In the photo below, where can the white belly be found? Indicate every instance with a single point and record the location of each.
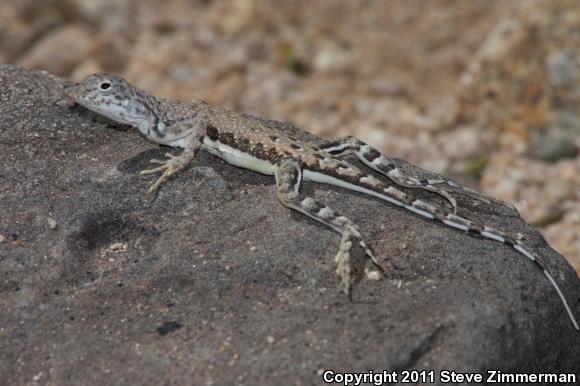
(237, 158)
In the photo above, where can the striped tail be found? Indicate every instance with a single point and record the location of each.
(364, 183)
(490, 233)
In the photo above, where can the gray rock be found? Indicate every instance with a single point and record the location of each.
(132, 289)
(552, 147)
(562, 70)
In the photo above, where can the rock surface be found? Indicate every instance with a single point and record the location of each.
(457, 90)
(212, 281)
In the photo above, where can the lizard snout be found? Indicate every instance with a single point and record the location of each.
(73, 90)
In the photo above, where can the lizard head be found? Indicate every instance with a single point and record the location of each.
(111, 96)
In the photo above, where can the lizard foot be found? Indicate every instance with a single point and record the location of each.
(443, 193)
(343, 261)
(168, 167)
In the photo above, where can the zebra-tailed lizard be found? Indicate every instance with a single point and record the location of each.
(263, 146)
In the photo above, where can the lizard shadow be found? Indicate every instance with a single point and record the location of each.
(235, 176)
(99, 233)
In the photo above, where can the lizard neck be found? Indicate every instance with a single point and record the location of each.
(147, 114)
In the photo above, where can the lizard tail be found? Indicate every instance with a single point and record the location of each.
(369, 185)
(454, 221)
(493, 234)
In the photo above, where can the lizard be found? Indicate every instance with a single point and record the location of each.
(263, 146)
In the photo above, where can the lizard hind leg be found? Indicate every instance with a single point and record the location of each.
(373, 159)
(288, 180)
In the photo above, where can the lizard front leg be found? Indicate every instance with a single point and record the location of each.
(173, 164)
(288, 180)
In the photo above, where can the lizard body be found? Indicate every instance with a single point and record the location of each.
(263, 146)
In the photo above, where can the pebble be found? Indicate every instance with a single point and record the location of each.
(546, 215)
(374, 274)
(52, 224)
(562, 70)
(332, 58)
(60, 51)
(553, 147)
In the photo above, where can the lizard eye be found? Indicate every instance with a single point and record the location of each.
(105, 85)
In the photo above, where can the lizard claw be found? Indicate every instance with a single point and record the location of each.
(168, 168)
(445, 194)
(414, 183)
(343, 260)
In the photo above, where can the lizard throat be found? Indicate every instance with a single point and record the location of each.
(120, 114)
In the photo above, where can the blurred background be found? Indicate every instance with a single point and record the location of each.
(484, 91)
